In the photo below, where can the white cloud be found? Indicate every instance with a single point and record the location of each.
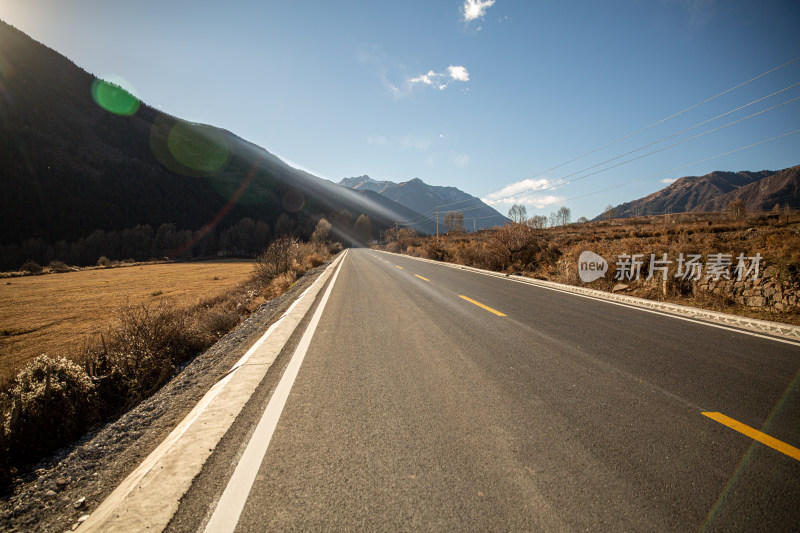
(441, 80)
(668, 181)
(520, 193)
(458, 73)
(475, 9)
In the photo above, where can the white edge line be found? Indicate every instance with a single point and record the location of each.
(231, 503)
(498, 275)
(161, 450)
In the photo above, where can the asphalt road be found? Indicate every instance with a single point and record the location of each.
(418, 409)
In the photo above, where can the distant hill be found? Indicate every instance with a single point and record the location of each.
(365, 183)
(80, 155)
(759, 191)
(423, 198)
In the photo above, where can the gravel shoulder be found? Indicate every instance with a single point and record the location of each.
(75, 480)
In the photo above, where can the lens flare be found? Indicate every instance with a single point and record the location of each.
(293, 201)
(198, 147)
(113, 98)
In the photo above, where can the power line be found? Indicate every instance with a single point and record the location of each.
(654, 151)
(555, 183)
(651, 176)
(649, 126)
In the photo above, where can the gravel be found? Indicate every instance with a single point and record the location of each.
(63, 489)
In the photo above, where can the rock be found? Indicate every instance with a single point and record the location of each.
(50, 494)
(779, 306)
(62, 482)
(39, 483)
(620, 287)
(756, 301)
(79, 503)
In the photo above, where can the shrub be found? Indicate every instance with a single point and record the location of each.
(58, 266)
(276, 260)
(31, 266)
(145, 347)
(52, 402)
(103, 261)
(219, 320)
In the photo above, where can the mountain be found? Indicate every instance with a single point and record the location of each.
(421, 223)
(423, 198)
(760, 191)
(782, 187)
(80, 155)
(365, 183)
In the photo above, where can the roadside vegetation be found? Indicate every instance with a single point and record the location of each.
(528, 247)
(57, 397)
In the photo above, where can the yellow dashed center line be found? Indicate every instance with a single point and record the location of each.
(498, 313)
(420, 277)
(755, 434)
(398, 266)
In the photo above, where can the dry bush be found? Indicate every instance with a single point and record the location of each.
(51, 402)
(276, 259)
(279, 285)
(144, 348)
(31, 266)
(58, 266)
(515, 247)
(219, 320)
(103, 261)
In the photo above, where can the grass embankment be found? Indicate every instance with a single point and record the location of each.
(153, 320)
(552, 254)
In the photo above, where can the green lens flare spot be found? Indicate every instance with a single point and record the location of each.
(198, 147)
(114, 98)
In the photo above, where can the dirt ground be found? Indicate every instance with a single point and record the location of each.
(57, 314)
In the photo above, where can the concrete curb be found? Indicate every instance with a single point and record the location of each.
(765, 327)
(149, 497)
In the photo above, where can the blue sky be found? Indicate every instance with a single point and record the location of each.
(481, 95)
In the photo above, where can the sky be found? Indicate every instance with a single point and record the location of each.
(539, 102)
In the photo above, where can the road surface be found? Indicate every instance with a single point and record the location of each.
(432, 398)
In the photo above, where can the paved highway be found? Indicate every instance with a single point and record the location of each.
(431, 398)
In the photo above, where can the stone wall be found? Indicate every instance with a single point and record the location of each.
(768, 291)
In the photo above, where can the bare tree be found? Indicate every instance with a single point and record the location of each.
(454, 221)
(564, 215)
(582, 220)
(518, 213)
(322, 231)
(609, 212)
(363, 229)
(737, 209)
(537, 221)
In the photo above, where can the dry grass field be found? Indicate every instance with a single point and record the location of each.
(56, 314)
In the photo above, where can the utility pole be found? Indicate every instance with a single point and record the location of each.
(474, 226)
(437, 223)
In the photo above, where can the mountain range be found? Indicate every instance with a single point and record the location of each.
(80, 155)
(759, 191)
(419, 196)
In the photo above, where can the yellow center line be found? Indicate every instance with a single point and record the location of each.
(420, 277)
(498, 313)
(763, 438)
(398, 266)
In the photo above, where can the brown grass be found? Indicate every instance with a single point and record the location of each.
(58, 313)
(552, 253)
